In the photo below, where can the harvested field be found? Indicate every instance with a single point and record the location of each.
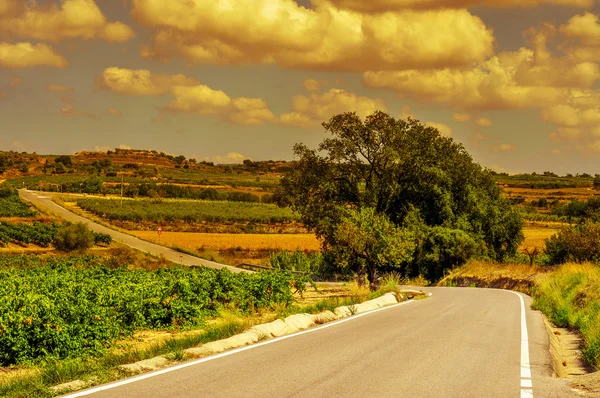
(536, 237)
(222, 242)
(562, 194)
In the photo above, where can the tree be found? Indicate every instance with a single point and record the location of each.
(579, 244)
(72, 237)
(65, 160)
(366, 241)
(395, 167)
(3, 163)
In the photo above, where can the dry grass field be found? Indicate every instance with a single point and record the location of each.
(238, 248)
(562, 194)
(536, 237)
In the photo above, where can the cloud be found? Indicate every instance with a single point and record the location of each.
(461, 117)
(58, 88)
(116, 32)
(203, 100)
(504, 148)
(312, 85)
(140, 81)
(322, 37)
(27, 55)
(484, 122)
(71, 19)
(296, 119)
(231, 157)
(396, 5)
(320, 107)
(523, 79)
(114, 112)
(444, 129)
(69, 110)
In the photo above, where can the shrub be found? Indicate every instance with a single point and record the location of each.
(443, 249)
(578, 244)
(102, 239)
(72, 237)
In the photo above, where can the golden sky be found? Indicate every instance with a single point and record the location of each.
(515, 81)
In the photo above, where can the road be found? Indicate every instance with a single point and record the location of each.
(460, 342)
(44, 201)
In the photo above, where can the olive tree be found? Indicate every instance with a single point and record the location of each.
(396, 167)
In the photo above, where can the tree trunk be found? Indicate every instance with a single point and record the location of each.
(373, 279)
(361, 276)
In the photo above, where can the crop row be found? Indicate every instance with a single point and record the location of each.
(67, 308)
(12, 206)
(21, 233)
(188, 211)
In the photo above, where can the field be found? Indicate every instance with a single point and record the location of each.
(535, 237)
(189, 211)
(69, 307)
(253, 248)
(193, 241)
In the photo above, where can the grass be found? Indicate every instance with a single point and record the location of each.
(570, 297)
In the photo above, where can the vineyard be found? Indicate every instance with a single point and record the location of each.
(21, 233)
(67, 307)
(12, 206)
(188, 211)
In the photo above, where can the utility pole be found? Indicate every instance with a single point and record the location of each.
(121, 189)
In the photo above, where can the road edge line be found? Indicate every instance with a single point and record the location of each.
(526, 379)
(226, 353)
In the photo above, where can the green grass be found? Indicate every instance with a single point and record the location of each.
(189, 211)
(570, 297)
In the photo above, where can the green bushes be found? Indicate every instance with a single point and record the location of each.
(442, 249)
(101, 239)
(578, 244)
(570, 297)
(189, 211)
(70, 307)
(72, 237)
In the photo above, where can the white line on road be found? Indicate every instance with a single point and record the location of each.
(526, 381)
(227, 353)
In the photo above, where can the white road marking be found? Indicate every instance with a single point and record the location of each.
(227, 353)
(526, 381)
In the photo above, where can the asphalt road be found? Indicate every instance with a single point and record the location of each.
(43, 201)
(461, 342)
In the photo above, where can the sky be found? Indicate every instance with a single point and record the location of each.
(517, 82)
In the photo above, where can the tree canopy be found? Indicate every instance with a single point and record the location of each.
(397, 167)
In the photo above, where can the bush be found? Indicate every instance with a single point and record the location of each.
(443, 249)
(102, 239)
(578, 244)
(72, 237)
(75, 306)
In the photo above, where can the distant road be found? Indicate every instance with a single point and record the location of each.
(460, 342)
(45, 202)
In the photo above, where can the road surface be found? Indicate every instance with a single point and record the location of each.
(45, 202)
(461, 342)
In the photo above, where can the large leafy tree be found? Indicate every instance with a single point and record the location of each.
(396, 167)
